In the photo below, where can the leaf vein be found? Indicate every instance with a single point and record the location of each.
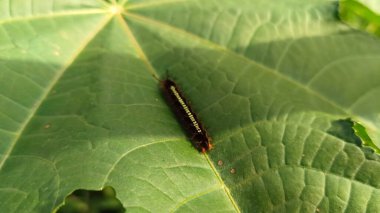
(50, 87)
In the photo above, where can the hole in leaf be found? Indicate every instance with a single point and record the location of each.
(92, 201)
(343, 129)
(352, 132)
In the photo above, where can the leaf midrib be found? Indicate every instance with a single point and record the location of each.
(151, 4)
(53, 15)
(211, 44)
(155, 75)
(218, 46)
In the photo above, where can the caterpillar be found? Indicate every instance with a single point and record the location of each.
(186, 116)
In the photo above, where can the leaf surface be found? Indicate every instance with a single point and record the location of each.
(80, 106)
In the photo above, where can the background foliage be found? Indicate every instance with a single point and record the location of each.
(362, 14)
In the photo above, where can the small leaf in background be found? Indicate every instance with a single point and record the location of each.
(361, 132)
(361, 14)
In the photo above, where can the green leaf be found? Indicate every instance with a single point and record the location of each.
(367, 141)
(361, 14)
(80, 106)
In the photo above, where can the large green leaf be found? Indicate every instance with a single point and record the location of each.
(80, 106)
